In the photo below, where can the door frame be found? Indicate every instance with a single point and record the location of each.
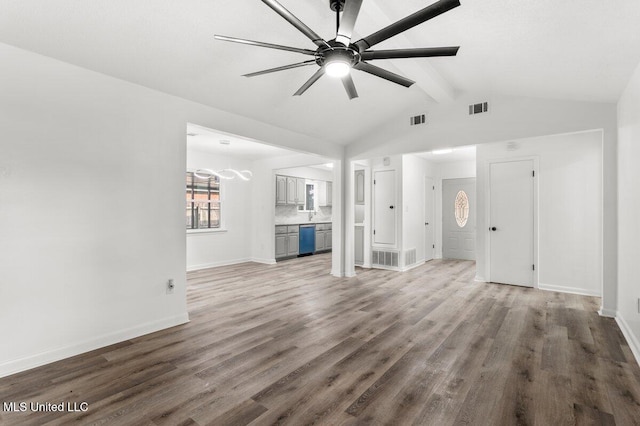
(536, 168)
(433, 215)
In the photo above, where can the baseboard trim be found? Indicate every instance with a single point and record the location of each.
(632, 340)
(410, 267)
(570, 290)
(607, 313)
(216, 264)
(47, 357)
(264, 261)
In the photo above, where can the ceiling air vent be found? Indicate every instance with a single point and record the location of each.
(418, 119)
(478, 108)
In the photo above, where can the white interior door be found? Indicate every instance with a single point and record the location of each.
(429, 217)
(511, 222)
(459, 218)
(384, 207)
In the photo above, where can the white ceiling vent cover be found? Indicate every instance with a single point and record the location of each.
(480, 108)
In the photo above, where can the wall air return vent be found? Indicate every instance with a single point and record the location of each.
(384, 258)
(480, 108)
(410, 257)
(418, 119)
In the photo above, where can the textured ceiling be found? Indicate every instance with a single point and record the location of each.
(582, 50)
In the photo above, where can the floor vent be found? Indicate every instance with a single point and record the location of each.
(410, 257)
(478, 108)
(418, 119)
(386, 258)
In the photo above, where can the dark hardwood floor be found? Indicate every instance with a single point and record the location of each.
(289, 344)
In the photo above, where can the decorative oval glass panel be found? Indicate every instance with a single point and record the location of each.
(461, 208)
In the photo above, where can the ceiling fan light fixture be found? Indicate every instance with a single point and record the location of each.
(338, 56)
(337, 68)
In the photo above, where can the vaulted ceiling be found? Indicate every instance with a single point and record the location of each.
(572, 50)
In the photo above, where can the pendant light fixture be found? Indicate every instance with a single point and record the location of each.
(226, 174)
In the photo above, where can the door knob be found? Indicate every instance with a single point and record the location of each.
(493, 228)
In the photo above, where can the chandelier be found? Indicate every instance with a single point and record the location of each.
(226, 174)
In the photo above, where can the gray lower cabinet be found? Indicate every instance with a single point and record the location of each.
(323, 236)
(281, 245)
(319, 240)
(293, 244)
(287, 242)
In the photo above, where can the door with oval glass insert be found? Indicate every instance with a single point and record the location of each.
(459, 218)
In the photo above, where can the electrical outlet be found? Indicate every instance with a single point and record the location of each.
(170, 286)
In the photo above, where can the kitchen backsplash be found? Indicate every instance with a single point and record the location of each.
(290, 215)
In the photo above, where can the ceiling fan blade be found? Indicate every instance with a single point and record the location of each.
(426, 52)
(315, 77)
(285, 67)
(282, 11)
(382, 73)
(349, 86)
(348, 21)
(404, 24)
(261, 44)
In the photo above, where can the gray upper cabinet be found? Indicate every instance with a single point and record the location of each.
(281, 190)
(359, 184)
(300, 191)
(325, 193)
(289, 190)
(292, 184)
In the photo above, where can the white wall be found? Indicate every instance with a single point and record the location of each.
(629, 206)
(232, 242)
(570, 208)
(414, 170)
(92, 206)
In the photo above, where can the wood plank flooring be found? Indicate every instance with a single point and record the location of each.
(289, 344)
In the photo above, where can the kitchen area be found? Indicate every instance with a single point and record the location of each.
(303, 211)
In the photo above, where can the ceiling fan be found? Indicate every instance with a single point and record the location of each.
(337, 57)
